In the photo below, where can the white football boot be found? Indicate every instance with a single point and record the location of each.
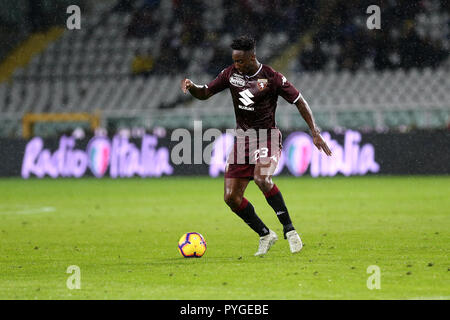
(266, 242)
(295, 243)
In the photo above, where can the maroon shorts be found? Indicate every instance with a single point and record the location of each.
(248, 151)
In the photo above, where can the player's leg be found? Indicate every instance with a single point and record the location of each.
(263, 173)
(263, 179)
(234, 198)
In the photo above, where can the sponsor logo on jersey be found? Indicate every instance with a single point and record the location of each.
(237, 80)
(246, 100)
(262, 84)
(246, 108)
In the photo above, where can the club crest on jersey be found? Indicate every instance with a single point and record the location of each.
(237, 80)
(262, 84)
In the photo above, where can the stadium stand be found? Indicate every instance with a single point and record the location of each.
(128, 59)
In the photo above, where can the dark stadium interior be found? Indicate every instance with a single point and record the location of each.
(393, 78)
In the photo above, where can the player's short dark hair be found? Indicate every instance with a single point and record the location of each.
(244, 43)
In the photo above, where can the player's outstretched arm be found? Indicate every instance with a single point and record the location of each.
(306, 113)
(199, 92)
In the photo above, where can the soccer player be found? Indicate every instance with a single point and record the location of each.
(255, 88)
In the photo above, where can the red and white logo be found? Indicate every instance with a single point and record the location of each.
(262, 84)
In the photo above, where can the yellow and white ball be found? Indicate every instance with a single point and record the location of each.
(192, 245)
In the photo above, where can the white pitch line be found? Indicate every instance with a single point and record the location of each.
(29, 210)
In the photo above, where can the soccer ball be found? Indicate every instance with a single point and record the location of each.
(192, 245)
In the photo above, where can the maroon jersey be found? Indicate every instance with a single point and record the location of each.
(254, 97)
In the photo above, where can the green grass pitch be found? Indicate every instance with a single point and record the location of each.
(123, 236)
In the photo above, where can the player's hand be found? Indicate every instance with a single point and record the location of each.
(186, 84)
(320, 143)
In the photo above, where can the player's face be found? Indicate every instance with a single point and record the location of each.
(243, 60)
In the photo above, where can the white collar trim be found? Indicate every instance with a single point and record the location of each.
(259, 69)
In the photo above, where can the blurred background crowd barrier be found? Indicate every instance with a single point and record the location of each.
(157, 155)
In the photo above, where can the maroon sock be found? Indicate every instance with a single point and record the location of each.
(246, 212)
